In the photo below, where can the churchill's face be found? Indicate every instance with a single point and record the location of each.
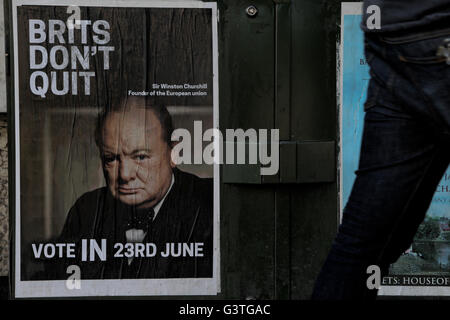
(136, 159)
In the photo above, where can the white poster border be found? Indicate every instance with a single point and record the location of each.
(123, 287)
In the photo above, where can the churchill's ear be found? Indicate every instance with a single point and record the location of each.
(174, 157)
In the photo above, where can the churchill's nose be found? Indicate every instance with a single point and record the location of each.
(127, 170)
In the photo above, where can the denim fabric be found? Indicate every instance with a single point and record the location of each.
(404, 153)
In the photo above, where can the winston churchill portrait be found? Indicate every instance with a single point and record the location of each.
(155, 220)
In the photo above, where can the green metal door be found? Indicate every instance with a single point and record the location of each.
(278, 70)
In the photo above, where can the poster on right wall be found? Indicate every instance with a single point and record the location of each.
(424, 269)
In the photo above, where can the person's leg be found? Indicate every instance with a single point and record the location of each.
(402, 160)
(387, 203)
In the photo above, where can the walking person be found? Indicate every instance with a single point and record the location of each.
(405, 147)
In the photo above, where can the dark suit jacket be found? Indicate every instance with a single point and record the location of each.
(186, 216)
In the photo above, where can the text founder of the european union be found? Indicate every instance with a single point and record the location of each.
(147, 200)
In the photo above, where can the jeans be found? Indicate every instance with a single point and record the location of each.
(405, 152)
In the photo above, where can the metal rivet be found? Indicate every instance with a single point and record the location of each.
(444, 50)
(251, 11)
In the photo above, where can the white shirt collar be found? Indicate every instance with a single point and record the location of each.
(137, 235)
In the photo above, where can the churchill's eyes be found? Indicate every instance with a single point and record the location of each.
(141, 157)
(109, 158)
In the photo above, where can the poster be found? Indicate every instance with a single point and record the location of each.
(102, 207)
(424, 269)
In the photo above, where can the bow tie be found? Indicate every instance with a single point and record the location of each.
(141, 219)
